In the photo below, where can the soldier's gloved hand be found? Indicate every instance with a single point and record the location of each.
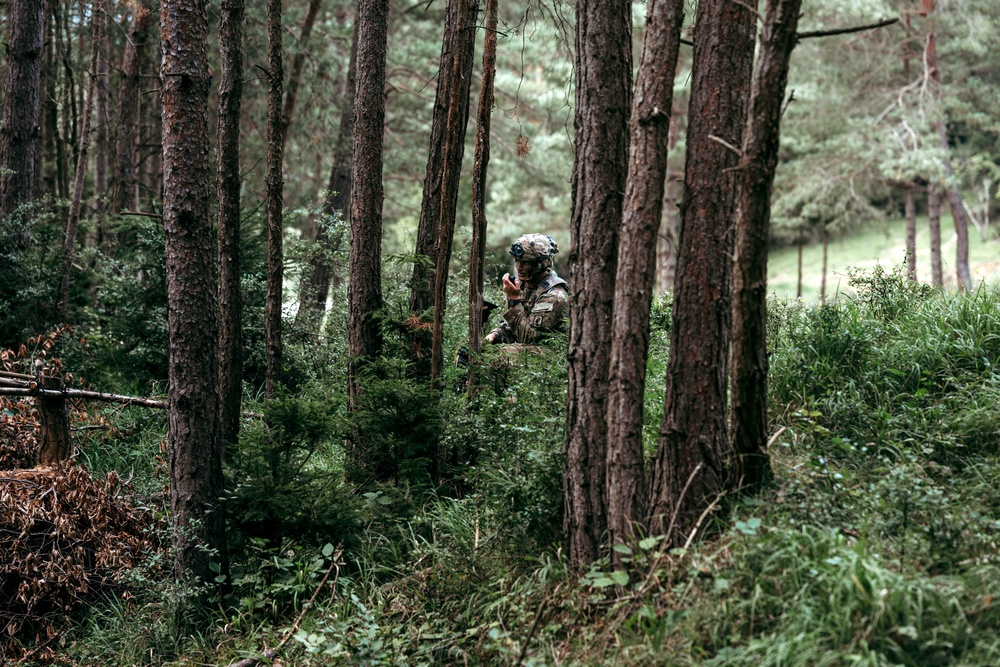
(510, 288)
(490, 337)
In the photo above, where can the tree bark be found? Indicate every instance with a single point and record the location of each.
(751, 469)
(275, 259)
(690, 469)
(18, 133)
(364, 294)
(666, 239)
(319, 273)
(910, 211)
(600, 165)
(454, 139)
(457, 45)
(195, 449)
(954, 198)
(52, 146)
(295, 78)
(479, 167)
(230, 98)
(934, 223)
(54, 441)
(101, 140)
(125, 193)
(69, 241)
(636, 270)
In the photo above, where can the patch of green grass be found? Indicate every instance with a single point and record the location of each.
(877, 244)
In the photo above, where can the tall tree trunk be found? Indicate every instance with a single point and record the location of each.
(53, 141)
(228, 221)
(934, 224)
(454, 140)
(954, 198)
(479, 167)
(636, 270)
(69, 241)
(195, 449)
(101, 141)
(364, 294)
(22, 76)
(600, 166)
(690, 469)
(798, 282)
(125, 194)
(456, 45)
(826, 251)
(295, 78)
(666, 239)
(275, 259)
(69, 104)
(910, 211)
(751, 467)
(316, 279)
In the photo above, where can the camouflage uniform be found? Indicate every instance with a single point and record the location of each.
(538, 313)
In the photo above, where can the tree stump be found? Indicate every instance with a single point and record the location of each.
(53, 422)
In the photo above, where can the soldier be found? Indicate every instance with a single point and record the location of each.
(536, 298)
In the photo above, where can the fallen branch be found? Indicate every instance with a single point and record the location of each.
(80, 393)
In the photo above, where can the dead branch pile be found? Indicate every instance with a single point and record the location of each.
(64, 538)
(18, 435)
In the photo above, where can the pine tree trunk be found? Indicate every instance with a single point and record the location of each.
(454, 148)
(364, 294)
(690, 469)
(101, 142)
(954, 198)
(798, 283)
(22, 76)
(69, 240)
(125, 194)
(479, 168)
(53, 151)
(228, 221)
(318, 275)
(934, 223)
(275, 260)
(761, 140)
(195, 449)
(458, 44)
(910, 211)
(822, 277)
(294, 79)
(636, 270)
(600, 166)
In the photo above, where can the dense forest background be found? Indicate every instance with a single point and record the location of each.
(245, 417)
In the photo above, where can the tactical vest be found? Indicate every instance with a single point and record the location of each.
(551, 281)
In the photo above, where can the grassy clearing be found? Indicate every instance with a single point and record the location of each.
(878, 244)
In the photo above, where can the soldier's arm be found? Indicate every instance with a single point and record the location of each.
(502, 334)
(546, 316)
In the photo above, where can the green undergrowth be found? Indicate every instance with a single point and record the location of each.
(876, 546)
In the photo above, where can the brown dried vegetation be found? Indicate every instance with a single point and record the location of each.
(65, 538)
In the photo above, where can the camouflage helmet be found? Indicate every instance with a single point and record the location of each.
(535, 248)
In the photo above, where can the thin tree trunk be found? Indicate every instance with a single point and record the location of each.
(125, 194)
(600, 167)
(454, 138)
(295, 78)
(751, 467)
(319, 273)
(275, 260)
(934, 224)
(479, 167)
(228, 221)
(798, 282)
(826, 249)
(364, 294)
(53, 151)
(454, 46)
(910, 209)
(101, 142)
(636, 270)
(69, 241)
(954, 198)
(18, 134)
(196, 481)
(690, 469)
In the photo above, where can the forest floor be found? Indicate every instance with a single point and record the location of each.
(882, 244)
